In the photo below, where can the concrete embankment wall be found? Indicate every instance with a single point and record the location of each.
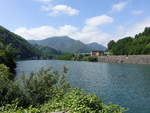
(130, 59)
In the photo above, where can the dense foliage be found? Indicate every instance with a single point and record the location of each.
(23, 48)
(34, 89)
(74, 101)
(46, 52)
(7, 58)
(64, 57)
(131, 46)
(82, 57)
(77, 101)
(47, 91)
(76, 57)
(9, 91)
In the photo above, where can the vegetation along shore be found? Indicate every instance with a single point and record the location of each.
(40, 92)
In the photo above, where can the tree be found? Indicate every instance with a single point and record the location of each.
(132, 46)
(111, 44)
(147, 49)
(7, 58)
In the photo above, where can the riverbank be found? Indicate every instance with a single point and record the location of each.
(130, 59)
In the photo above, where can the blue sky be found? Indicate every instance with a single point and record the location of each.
(86, 20)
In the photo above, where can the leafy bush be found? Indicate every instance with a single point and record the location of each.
(9, 91)
(4, 72)
(92, 59)
(75, 101)
(85, 58)
(34, 89)
(47, 91)
(7, 58)
(77, 57)
(13, 108)
(64, 57)
(41, 86)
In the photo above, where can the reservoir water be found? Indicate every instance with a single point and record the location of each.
(127, 85)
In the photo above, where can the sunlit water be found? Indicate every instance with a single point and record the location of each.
(125, 84)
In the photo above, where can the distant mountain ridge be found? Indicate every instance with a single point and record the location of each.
(44, 48)
(97, 46)
(66, 44)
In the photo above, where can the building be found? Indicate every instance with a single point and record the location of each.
(97, 53)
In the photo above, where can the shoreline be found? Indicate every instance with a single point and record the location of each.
(124, 59)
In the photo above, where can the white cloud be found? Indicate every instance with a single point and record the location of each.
(61, 9)
(74, 32)
(139, 27)
(93, 36)
(67, 30)
(89, 33)
(43, 32)
(94, 22)
(137, 12)
(118, 7)
(35, 33)
(136, 28)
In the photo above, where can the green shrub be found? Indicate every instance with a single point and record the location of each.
(80, 57)
(76, 101)
(4, 72)
(42, 86)
(7, 58)
(89, 58)
(64, 57)
(13, 108)
(47, 91)
(9, 90)
(34, 89)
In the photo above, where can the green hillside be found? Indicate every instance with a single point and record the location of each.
(140, 44)
(46, 52)
(64, 44)
(23, 49)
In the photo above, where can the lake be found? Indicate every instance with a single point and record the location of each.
(127, 85)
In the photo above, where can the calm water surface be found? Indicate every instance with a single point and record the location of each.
(125, 84)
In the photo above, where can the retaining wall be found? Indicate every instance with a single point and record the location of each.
(130, 59)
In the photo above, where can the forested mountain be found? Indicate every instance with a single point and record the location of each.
(7, 59)
(46, 52)
(96, 46)
(64, 44)
(140, 44)
(23, 49)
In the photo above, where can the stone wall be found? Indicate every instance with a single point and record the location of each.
(130, 59)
